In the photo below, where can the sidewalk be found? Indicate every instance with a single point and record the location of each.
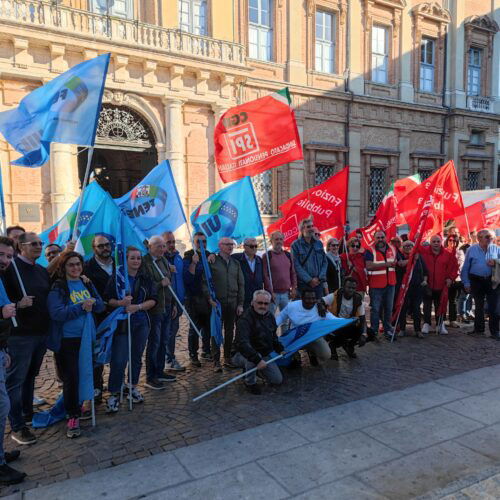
(439, 439)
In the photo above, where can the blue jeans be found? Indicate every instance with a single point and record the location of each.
(381, 301)
(157, 344)
(464, 303)
(119, 356)
(280, 302)
(172, 335)
(26, 354)
(4, 404)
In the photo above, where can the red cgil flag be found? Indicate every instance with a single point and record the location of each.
(447, 203)
(484, 214)
(257, 136)
(326, 203)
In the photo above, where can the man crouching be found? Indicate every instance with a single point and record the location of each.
(255, 340)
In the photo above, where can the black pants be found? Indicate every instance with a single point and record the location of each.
(481, 289)
(430, 299)
(199, 310)
(453, 293)
(347, 336)
(412, 303)
(228, 320)
(67, 359)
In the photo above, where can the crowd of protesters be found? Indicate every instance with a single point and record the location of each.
(259, 296)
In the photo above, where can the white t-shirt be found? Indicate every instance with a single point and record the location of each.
(298, 315)
(345, 306)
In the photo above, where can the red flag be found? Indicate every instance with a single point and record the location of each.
(484, 214)
(257, 136)
(401, 188)
(443, 302)
(447, 201)
(327, 203)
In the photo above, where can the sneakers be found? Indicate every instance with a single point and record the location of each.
(137, 397)
(10, 456)
(443, 330)
(195, 362)
(217, 367)
(73, 428)
(154, 384)
(349, 349)
(97, 396)
(8, 475)
(38, 401)
(453, 324)
(175, 366)
(113, 404)
(206, 356)
(419, 335)
(165, 377)
(253, 389)
(426, 328)
(229, 364)
(86, 412)
(23, 436)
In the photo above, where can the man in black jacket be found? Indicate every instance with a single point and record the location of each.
(8, 475)
(251, 265)
(255, 340)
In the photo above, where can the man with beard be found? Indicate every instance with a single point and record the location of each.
(8, 475)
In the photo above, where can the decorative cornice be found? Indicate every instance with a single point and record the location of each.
(432, 10)
(483, 23)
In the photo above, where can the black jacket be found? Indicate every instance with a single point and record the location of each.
(256, 335)
(97, 275)
(334, 275)
(253, 280)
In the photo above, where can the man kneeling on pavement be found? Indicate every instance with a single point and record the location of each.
(255, 340)
(347, 303)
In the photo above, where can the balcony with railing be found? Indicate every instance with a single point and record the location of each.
(481, 104)
(48, 15)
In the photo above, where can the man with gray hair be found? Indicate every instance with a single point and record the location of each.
(255, 340)
(251, 266)
(476, 275)
(309, 259)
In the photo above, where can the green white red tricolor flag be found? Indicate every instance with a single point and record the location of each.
(256, 136)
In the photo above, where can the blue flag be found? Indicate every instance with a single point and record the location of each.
(107, 221)
(231, 212)
(43, 419)
(64, 110)
(104, 335)
(4, 299)
(154, 205)
(216, 313)
(62, 230)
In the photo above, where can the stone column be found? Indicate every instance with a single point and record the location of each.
(64, 181)
(356, 43)
(495, 69)
(355, 185)
(297, 169)
(296, 68)
(405, 60)
(404, 158)
(457, 55)
(174, 150)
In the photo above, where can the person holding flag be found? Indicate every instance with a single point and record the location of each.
(141, 298)
(353, 264)
(70, 300)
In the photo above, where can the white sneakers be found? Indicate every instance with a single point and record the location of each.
(426, 328)
(443, 330)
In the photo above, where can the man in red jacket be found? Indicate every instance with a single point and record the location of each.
(443, 269)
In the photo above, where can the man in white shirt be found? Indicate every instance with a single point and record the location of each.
(305, 311)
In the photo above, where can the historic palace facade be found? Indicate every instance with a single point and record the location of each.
(388, 87)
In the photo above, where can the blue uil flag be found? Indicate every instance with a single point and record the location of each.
(231, 212)
(154, 205)
(64, 110)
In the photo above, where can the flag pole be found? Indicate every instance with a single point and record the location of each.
(178, 301)
(234, 379)
(19, 279)
(3, 220)
(129, 363)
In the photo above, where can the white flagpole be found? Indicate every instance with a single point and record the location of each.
(19, 279)
(129, 363)
(211, 391)
(3, 219)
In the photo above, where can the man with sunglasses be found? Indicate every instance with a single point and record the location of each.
(251, 266)
(196, 301)
(476, 275)
(255, 340)
(27, 342)
(99, 269)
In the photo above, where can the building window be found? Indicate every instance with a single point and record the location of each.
(425, 173)
(377, 187)
(322, 173)
(474, 72)
(476, 138)
(263, 186)
(193, 16)
(380, 54)
(260, 30)
(427, 65)
(117, 8)
(473, 178)
(325, 42)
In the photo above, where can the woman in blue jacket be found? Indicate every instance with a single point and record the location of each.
(70, 300)
(141, 297)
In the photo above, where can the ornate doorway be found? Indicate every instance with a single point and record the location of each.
(125, 150)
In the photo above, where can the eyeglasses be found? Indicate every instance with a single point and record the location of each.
(333, 245)
(103, 245)
(251, 246)
(228, 244)
(33, 243)
(74, 264)
(355, 246)
(262, 303)
(317, 234)
(408, 246)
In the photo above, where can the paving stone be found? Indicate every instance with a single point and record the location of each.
(484, 408)
(423, 429)
(485, 441)
(307, 467)
(422, 471)
(243, 483)
(474, 381)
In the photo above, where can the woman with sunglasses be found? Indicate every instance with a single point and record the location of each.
(69, 302)
(141, 297)
(451, 244)
(353, 264)
(334, 272)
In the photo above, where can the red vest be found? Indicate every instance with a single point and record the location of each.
(380, 278)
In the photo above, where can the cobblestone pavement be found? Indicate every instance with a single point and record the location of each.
(169, 420)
